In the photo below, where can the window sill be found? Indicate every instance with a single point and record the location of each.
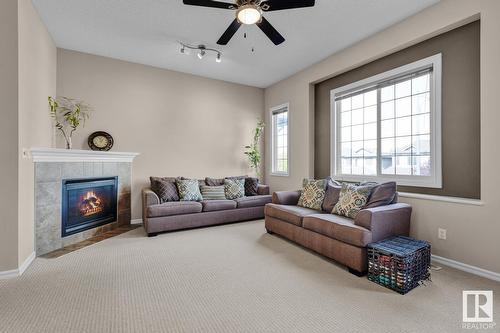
(462, 201)
(430, 182)
(274, 174)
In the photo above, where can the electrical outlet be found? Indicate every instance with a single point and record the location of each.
(441, 233)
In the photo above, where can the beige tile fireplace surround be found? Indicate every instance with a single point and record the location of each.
(52, 167)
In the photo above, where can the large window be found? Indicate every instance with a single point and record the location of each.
(387, 127)
(279, 150)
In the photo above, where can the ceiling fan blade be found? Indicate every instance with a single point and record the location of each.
(272, 5)
(210, 3)
(270, 32)
(229, 33)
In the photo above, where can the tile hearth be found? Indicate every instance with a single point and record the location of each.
(93, 240)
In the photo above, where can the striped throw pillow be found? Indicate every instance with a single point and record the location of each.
(212, 192)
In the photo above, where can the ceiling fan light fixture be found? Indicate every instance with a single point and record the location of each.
(249, 14)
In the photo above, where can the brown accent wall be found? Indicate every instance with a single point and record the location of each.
(460, 49)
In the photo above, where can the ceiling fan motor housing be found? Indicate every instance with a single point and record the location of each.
(249, 13)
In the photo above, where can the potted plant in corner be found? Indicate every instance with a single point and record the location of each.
(253, 151)
(68, 115)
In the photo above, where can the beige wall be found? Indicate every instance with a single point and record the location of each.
(472, 231)
(37, 81)
(182, 125)
(27, 77)
(8, 135)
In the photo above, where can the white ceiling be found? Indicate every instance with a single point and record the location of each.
(147, 31)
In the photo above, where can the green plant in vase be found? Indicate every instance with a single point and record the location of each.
(68, 114)
(253, 151)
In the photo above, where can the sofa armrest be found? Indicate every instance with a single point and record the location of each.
(290, 198)
(149, 198)
(385, 221)
(263, 189)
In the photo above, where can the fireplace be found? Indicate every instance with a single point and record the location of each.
(88, 203)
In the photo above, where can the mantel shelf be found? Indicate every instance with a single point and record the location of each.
(75, 155)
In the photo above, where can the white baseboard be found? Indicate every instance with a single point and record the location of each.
(136, 221)
(19, 271)
(467, 268)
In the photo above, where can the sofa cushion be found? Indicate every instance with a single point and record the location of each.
(215, 205)
(212, 192)
(332, 194)
(234, 188)
(313, 193)
(352, 199)
(174, 208)
(339, 228)
(251, 186)
(381, 195)
(255, 201)
(214, 181)
(165, 188)
(220, 181)
(189, 189)
(290, 214)
(201, 182)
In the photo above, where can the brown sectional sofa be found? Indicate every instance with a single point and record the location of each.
(159, 217)
(336, 237)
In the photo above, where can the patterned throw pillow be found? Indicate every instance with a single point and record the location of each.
(234, 188)
(189, 189)
(251, 186)
(313, 193)
(352, 199)
(164, 188)
(213, 192)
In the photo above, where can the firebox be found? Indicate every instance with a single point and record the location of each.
(88, 203)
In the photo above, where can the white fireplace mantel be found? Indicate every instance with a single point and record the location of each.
(75, 155)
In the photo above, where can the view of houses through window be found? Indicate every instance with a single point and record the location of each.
(404, 129)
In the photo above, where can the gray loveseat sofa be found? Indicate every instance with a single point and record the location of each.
(168, 216)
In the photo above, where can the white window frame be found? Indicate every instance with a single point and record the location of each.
(273, 171)
(432, 181)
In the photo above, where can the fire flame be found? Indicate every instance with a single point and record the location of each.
(91, 204)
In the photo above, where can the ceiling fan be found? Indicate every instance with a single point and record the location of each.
(250, 12)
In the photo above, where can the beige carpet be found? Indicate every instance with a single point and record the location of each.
(232, 278)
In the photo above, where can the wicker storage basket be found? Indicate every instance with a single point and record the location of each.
(399, 263)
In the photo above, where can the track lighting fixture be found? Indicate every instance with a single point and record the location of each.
(202, 51)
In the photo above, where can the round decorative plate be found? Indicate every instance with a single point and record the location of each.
(100, 141)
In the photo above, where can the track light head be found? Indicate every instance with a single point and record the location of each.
(218, 59)
(201, 54)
